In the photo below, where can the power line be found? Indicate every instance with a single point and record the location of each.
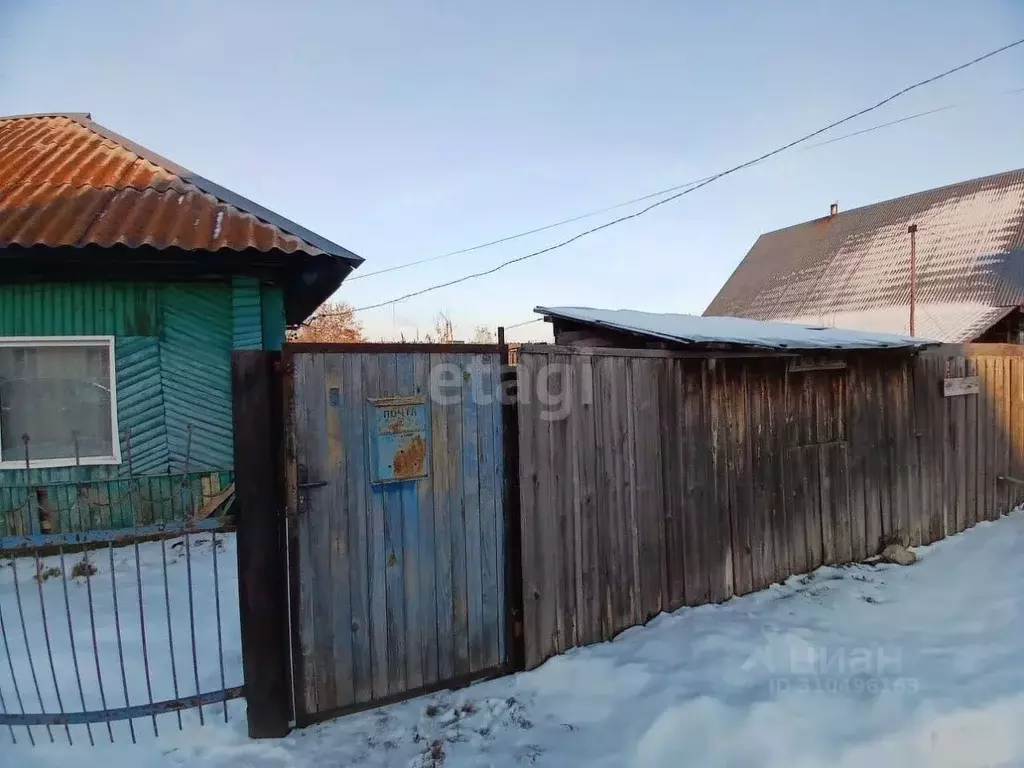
(518, 235)
(696, 186)
(524, 322)
(660, 192)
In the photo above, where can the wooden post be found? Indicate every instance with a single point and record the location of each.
(514, 618)
(262, 563)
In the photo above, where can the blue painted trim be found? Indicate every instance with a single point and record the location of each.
(118, 536)
(123, 713)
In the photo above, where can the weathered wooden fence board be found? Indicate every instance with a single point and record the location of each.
(401, 583)
(681, 481)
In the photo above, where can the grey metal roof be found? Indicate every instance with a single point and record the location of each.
(693, 329)
(853, 268)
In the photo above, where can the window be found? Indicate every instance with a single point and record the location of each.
(58, 391)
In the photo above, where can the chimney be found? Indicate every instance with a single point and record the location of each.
(833, 209)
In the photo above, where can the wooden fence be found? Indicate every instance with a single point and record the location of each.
(666, 479)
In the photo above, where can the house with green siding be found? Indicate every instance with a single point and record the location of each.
(125, 283)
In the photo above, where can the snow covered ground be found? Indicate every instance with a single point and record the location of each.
(31, 645)
(854, 666)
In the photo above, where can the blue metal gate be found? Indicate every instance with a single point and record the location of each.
(398, 522)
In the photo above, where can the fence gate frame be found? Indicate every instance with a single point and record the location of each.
(295, 503)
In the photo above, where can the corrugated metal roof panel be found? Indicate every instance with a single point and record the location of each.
(66, 181)
(970, 249)
(693, 329)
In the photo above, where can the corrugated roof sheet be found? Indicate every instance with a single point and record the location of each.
(970, 257)
(67, 181)
(693, 329)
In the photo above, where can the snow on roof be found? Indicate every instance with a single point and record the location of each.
(693, 329)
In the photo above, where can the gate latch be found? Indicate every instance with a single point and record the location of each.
(316, 484)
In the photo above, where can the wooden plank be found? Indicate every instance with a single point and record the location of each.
(332, 502)
(974, 454)
(649, 493)
(588, 525)
(357, 494)
(949, 475)
(394, 551)
(985, 406)
(859, 447)
(262, 559)
(457, 524)
(620, 547)
(919, 471)
(741, 476)
(778, 489)
(961, 453)
(839, 465)
(631, 520)
(409, 523)
(1016, 428)
(689, 564)
(760, 538)
(529, 488)
(1006, 435)
(1001, 442)
(902, 432)
(546, 546)
(792, 469)
(377, 549)
(722, 549)
(561, 557)
(928, 442)
(608, 554)
(471, 510)
(888, 456)
(674, 472)
(308, 659)
(490, 457)
(313, 429)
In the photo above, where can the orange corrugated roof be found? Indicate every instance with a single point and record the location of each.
(67, 181)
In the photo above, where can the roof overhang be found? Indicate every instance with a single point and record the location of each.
(698, 331)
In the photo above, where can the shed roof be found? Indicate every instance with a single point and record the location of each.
(68, 182)
(853, 268)
(693, 329)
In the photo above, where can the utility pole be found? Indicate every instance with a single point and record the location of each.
(912, 229)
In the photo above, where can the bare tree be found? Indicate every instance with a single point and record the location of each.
(482, 335)
(444, 330)
(334, 322)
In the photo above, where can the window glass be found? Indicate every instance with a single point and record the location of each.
(59, 396)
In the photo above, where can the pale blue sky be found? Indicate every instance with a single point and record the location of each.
(406, 129)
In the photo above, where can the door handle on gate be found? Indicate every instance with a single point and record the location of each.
(315, 484)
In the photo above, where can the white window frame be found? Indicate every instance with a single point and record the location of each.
(72, 341)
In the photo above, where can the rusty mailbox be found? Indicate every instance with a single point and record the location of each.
(399, 439)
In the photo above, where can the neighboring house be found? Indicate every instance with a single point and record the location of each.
(851, 269)
(125, 283)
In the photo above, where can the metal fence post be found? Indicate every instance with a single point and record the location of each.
(262, 559)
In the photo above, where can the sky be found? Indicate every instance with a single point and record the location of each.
(403, 130)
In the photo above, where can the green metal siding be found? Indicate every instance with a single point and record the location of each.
(247, 321)
(272, 301)
(173, 347)
(195, 367)
(140, 404)
(80, 309)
